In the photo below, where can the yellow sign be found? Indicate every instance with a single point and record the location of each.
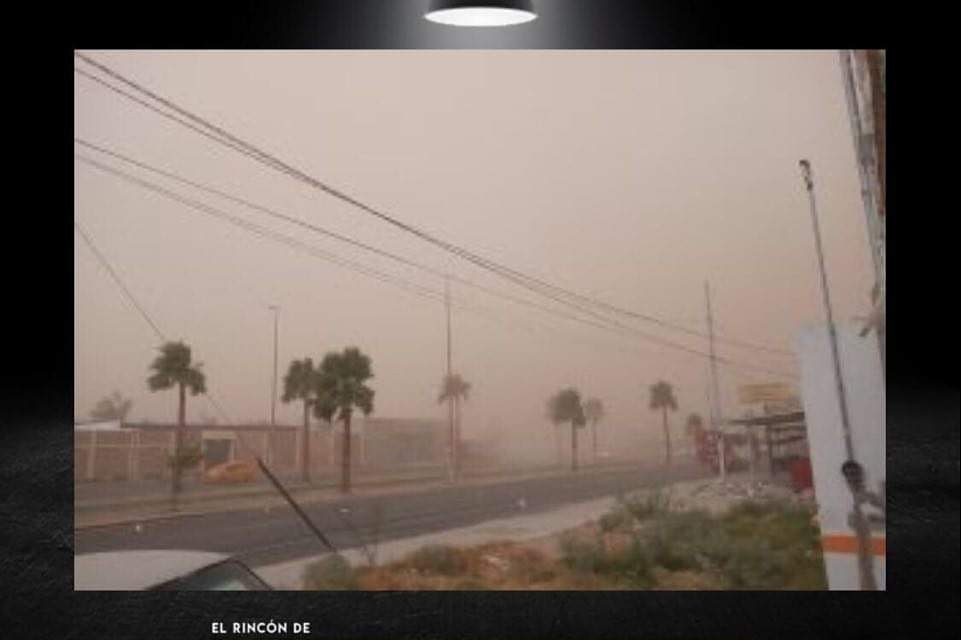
(770, 392)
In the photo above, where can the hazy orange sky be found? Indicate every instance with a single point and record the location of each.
(630, 176)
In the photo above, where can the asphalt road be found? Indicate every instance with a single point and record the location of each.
(260, 537)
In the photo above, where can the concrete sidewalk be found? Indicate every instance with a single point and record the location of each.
(134, 511)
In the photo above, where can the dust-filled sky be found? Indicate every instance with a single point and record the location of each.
(628, 176)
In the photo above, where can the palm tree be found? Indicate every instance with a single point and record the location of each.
(299, 384)
(454, 389)
(594, 412)
(112, 407)
(566, 407)
(174, 368)
(662, 397)
(340, 389)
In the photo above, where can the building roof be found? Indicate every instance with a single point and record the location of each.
(778, 419)
(169, 426)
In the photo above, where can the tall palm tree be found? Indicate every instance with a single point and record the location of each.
(300, 384)
(454, 389)
(175, 368)
(112, 407)
(594, 412)
(340, 389)
(564, 407)
(662, 397)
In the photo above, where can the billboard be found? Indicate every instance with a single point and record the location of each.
(774, 392)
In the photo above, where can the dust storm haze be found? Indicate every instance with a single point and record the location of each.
(630, 177)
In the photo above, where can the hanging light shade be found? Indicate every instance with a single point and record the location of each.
(480, 13)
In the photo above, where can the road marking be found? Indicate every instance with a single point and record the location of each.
(848, 543)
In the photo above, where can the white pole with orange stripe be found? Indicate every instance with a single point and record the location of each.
(864, 387)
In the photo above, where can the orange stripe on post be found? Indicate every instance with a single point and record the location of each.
(847, 543)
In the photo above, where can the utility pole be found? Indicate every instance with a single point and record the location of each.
(451, 453)
(273, 388)
(867, 129)
(716, 418)
(865, 561)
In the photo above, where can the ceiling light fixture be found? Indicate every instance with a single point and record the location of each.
(480, 13)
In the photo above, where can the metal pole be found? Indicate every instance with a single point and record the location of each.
(716, 418)
(867, 158)
(273, 390)
(864, 558)
(450, 400)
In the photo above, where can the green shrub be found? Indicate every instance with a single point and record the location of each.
(438, 559)
(654, 504)
(332, 573)
(617, 519)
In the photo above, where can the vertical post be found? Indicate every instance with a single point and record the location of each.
(451, 444)
(864, 555)
(870, 168)
(273, 392)
(92, 457)
(716, 418)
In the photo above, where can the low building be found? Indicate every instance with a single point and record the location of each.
(134, 451)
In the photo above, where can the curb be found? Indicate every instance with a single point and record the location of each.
(139, 520)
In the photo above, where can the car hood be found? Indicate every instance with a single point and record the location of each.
(136, 570)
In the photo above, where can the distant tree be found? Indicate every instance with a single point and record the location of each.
(174, 368)
(300, 384)
(454, 389)
(112, 407)
(662, 398)
(594, 412)
(565, 407)
(340, 390)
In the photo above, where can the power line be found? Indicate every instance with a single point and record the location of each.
(377, 274)
(116, 278)
(221, 136)
(326, 232)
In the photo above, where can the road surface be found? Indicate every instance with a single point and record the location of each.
(266, 537)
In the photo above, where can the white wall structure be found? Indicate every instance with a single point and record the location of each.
(864, 387)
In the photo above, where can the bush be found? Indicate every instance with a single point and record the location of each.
(657, 503)
(617, 519)
(332, 573)
(438, 559)
(630, 566)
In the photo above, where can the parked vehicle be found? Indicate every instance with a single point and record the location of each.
(233, 472)
(163, 570)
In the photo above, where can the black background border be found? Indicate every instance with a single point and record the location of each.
(36, 465)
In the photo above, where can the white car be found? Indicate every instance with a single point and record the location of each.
(163, 570)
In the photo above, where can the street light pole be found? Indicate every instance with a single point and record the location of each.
(865, 561)
(273, 388)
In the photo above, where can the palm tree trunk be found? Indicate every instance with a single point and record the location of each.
(457, 447)
(306, 443)
(594, 440)
(573, 447)
(667, 437)
(345, 462)
(450, 438)
(557, 445)
(176, 484)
